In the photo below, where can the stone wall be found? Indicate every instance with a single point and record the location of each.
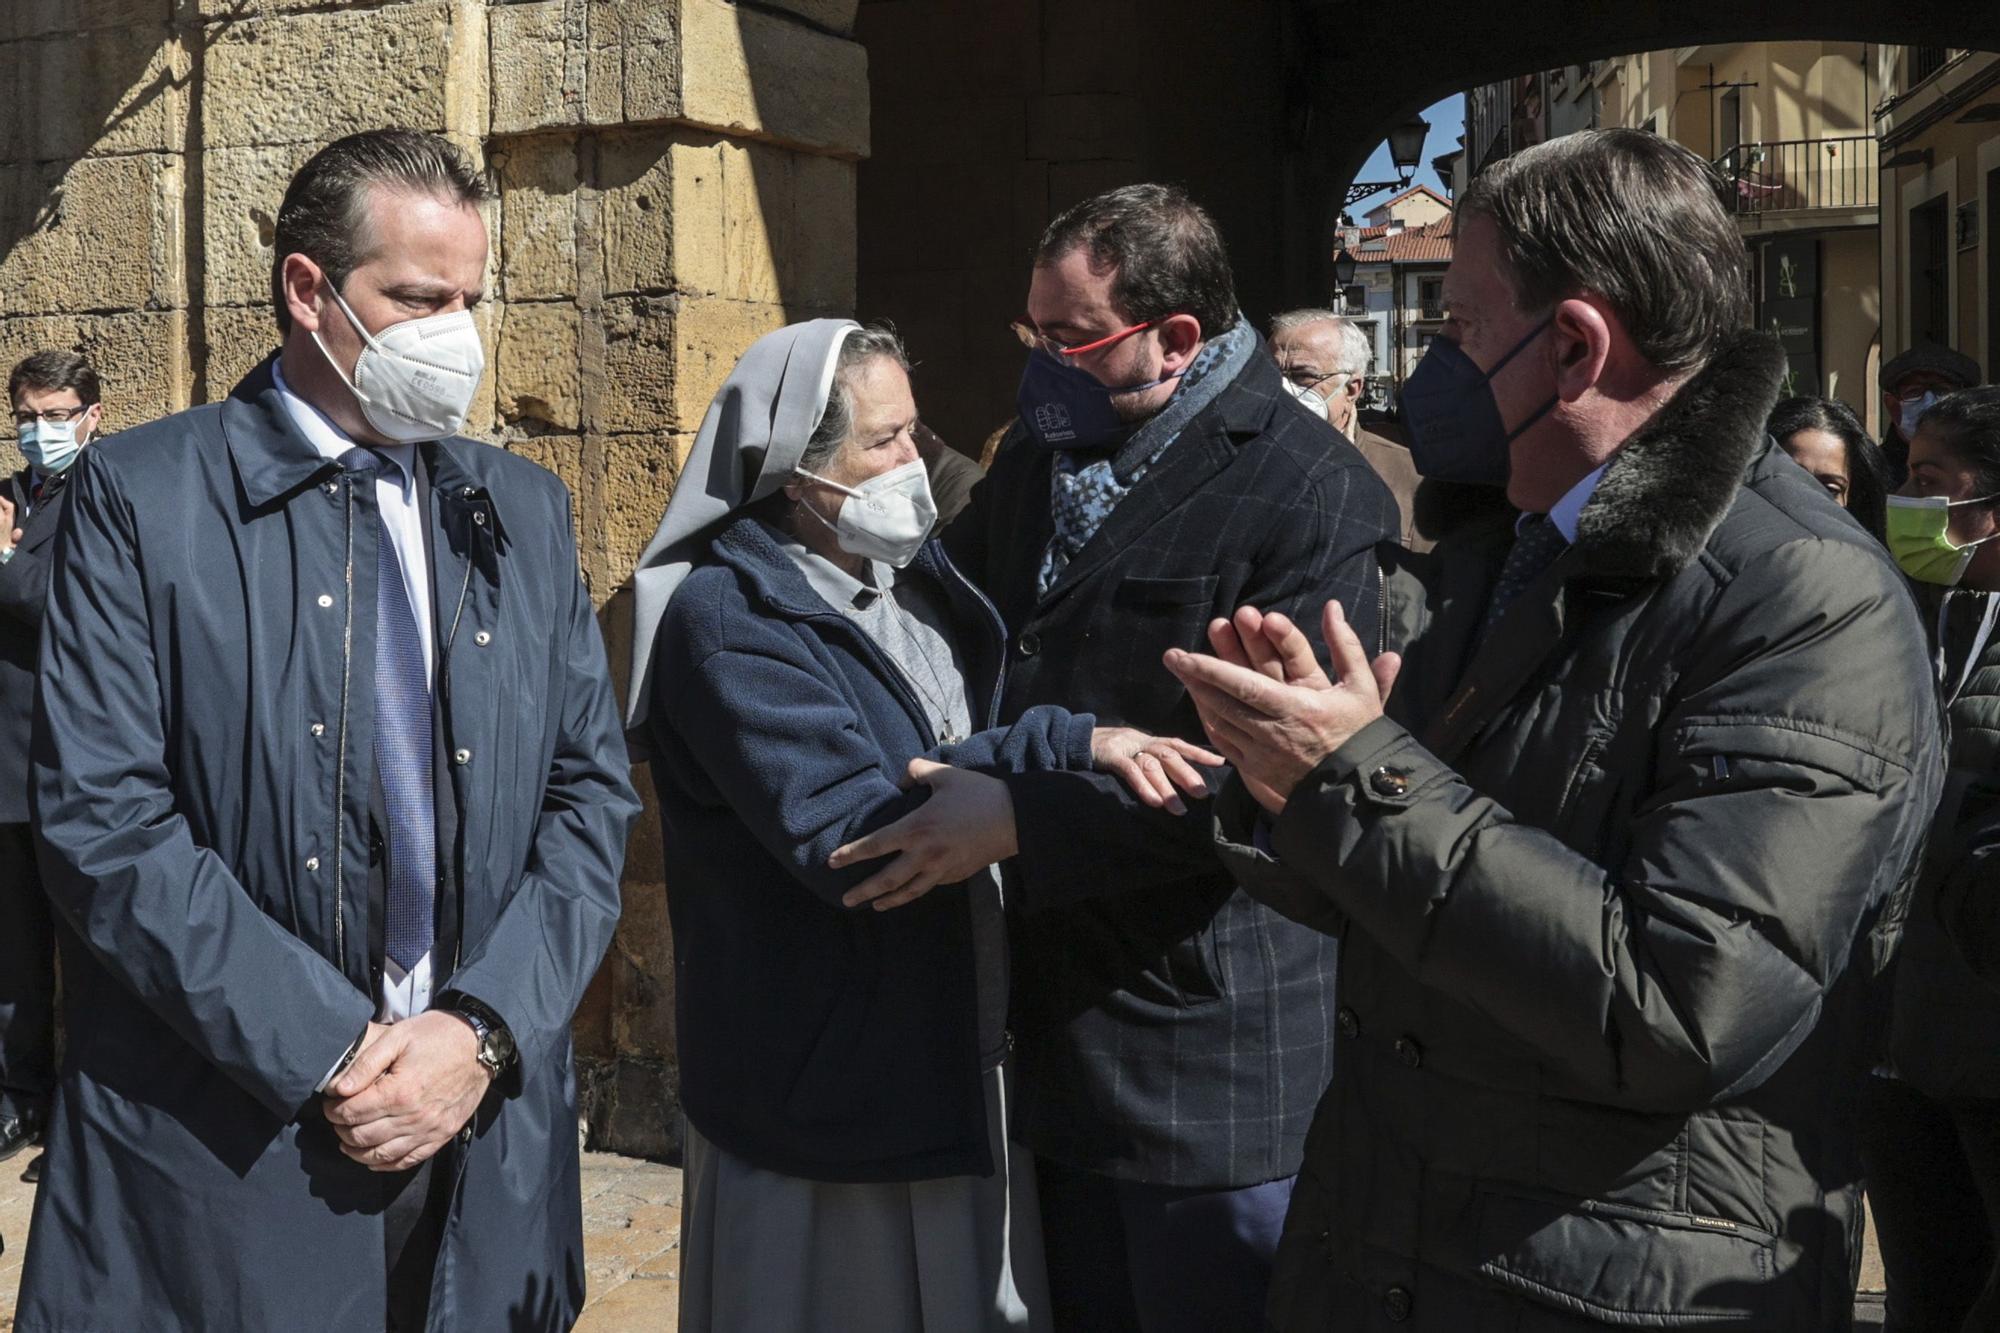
(992, 116)
(675, 177)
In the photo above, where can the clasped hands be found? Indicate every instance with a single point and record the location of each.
(413, 1085)
(1266, 703)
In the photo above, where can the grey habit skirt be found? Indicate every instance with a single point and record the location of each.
(766, 1253)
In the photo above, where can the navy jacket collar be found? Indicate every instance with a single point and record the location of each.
(747, 547)
(275, 461)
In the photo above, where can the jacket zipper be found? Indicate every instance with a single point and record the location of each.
(340, 767)
(993, 618)
(444, 697)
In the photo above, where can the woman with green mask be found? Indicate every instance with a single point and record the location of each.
(1931, 1116)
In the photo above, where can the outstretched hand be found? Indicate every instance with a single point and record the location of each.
(966, 825)
(1152, 766)
(1268, 705)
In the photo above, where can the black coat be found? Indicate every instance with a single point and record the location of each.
(1170, 1028)
(1617, 888)
(24, 582)
(1942, 1037)
(203, 764)
(817, 1040)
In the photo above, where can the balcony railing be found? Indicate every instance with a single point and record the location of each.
(1801, 173)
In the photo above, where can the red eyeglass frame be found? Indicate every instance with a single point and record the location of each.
(1099, 345)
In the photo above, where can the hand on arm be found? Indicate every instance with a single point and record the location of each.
(411, 1088)
(1267, 704)
(966, 825)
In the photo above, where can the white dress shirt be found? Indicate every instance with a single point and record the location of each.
(1565, 512)
(403, 993)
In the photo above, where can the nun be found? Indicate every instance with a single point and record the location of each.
(808, 667)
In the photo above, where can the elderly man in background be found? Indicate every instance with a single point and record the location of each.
(57, 409)
(1911, 382)
(1618, 865)
(1324, 360)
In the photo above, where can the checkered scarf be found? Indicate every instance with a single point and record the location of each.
(1085, 487)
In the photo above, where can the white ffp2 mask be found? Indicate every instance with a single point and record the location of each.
(885, 518)
(415, 380)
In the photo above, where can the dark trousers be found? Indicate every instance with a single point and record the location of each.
(1130, 1258)
(1933, 1176)
(412, 1227)
(27, 979)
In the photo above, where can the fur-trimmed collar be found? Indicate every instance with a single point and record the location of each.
(1668, 487)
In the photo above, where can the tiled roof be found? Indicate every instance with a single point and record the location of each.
(1428, 244)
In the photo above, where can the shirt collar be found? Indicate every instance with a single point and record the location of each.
(1565, 512)
(838, 588)
(330, 440)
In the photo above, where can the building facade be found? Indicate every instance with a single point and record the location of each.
(1940, 235)
(1788, 126)
(1397, 296)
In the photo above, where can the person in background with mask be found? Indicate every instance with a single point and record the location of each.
(1826, 438)
(1172, 1035)
(57, 412)
(332, 797)
(1619, 861)
(1324, 361)
(1910, 383)
(1931, 1126)
(806, 660)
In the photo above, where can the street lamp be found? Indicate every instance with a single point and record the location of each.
(1406, 150)
(1343, 273)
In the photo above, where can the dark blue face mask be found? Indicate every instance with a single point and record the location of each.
(1451, 419)
(1067, 408)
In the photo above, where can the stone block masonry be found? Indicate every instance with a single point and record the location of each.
(674, 178)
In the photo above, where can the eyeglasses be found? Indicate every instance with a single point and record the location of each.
(1305, 379)
(54, 415)
(1034, 340)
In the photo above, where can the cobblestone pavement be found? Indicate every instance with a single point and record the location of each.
(631, 1242)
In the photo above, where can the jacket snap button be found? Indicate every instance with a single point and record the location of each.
(1397, 1304)
(1326, 1245)
(482, 638)
(1031, 643)
(1389, 782)
(1348, 1021)
(319, 728)
(326, 599)
(462, 756)
(312, 863)
(1409, 1052)
(479, 517)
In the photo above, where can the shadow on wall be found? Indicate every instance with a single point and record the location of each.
(659, 211)
(94, 168)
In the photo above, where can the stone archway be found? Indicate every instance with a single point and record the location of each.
(989, 116)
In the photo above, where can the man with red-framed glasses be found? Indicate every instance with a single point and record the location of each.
(1172, 1035)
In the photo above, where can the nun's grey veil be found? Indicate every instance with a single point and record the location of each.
(750, 441)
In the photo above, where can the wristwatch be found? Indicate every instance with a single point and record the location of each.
(496, 1044)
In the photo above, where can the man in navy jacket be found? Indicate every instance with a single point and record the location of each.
(333, 797)
(57, 404)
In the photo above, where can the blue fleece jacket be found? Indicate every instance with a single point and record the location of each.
(816, 1040)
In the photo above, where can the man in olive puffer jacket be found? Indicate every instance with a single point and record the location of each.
(1617, 871)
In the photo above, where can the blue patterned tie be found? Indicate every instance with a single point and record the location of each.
(1536, 547)
(403, 754)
